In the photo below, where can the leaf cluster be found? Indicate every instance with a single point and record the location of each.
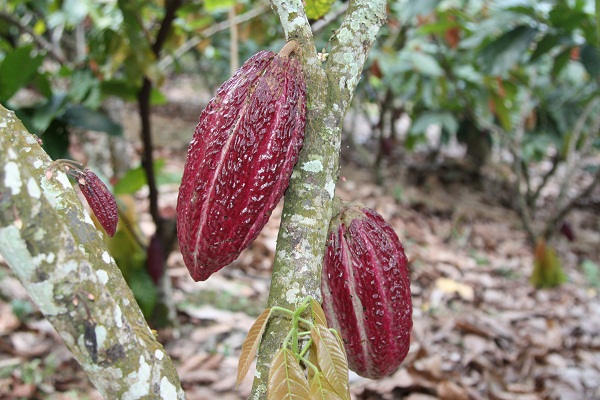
(311, 364)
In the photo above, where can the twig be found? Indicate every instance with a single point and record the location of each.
(144, 112)
(558, 216)
(532, 198)
(321, 24)
(208, 32)
(571, 160)
(54, 52)
(515, 147)
(566, 208)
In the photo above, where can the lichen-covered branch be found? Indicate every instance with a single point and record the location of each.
(51, 244)
(308, 200)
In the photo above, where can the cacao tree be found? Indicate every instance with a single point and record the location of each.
(96, 314)
(521, 78)
(74, 66)
(58, 254)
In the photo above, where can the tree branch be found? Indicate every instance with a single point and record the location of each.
(308, 201)
(51, 244)
(211, 31)
(42, 43)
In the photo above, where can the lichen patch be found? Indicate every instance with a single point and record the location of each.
(167, 389)
(12, 177)
(102, 276)
(33, 189)
(139, 382)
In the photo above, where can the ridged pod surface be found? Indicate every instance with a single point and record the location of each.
(100, 199)
(366, 291)
(239, 161)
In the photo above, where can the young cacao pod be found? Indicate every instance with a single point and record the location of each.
(240, 160)
(366, 291)
(101, 200)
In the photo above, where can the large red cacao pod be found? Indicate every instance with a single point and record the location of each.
(366, 291)
(239, 161)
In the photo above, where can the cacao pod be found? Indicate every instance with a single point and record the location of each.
(100, 199)
(240, 160)
(366, 291)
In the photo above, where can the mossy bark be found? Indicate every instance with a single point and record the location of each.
(308, 200)
(52, 245)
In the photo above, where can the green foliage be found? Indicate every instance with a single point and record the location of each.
(17, 69)
(134, 179)
(446, 62)
(315, 9)
(327, 375)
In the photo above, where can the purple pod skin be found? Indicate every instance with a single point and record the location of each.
(240, 161)
(366, 291)
(100, 199)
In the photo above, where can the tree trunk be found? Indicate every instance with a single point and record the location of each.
(51, 244)
(308, 200)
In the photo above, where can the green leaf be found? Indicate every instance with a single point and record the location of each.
(505, 52)
(437, 27)
(547, 43)
(218, 5)
(42, 115)
(315, 9)
(598, 21)
(143, 62)
(445, 119)
(502, 112)
(17, 70)
(425, 64)
(82, 82)
(157, 97)
(42, 83)
(123, 89)
(250, 345)
(135, 178)
(144, 290)
(56, 140)
(561, 61)
(590, 58)
(332, 359)
(286, 378)
(86, 118)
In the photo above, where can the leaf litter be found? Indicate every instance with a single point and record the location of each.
(481, 331)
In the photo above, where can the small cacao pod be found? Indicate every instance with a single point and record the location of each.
(240, 160)
(366, 291)
(101, 200)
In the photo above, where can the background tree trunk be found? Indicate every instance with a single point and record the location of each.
(52, 245)
(308, 200)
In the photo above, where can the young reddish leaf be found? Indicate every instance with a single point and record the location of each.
(321, 389)
(318, 315)
(250, 346)
(286, 378)
(332, 360)
(100, 199)
(312, 358)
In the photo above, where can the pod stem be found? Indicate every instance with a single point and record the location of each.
(290, 47)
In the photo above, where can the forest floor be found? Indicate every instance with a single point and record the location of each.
(481, 330)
